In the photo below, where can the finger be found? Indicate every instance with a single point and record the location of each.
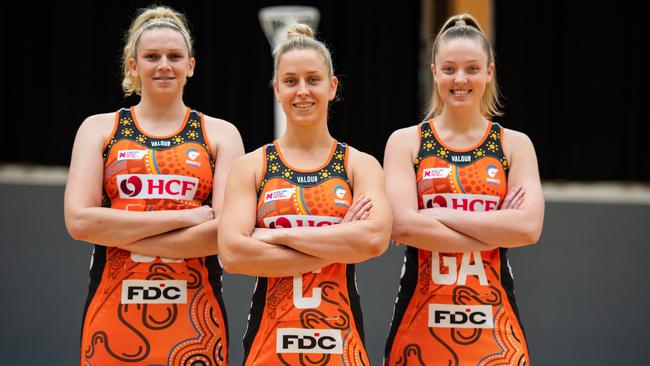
(364, 210)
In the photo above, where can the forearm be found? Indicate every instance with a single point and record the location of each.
(112, 227)
(501, 228)
(349, 242)
(420, 231)
(193, 242)
(256, 258)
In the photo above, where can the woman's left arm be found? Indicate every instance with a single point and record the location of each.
(347, 242)
(510, 227)
(200, 240)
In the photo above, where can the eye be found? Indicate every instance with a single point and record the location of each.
(290, 81)
(448, 70)
(473, 69)
(313, 79)
(175, 56)
(151, 56)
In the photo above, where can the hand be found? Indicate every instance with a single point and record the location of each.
(514, 198)
(359, 210)
(199, 215)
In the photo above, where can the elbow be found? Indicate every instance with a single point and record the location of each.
(377, 241)
(400, 230)
(229, 259)
(77, 227)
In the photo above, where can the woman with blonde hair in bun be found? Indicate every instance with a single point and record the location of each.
(300, 212)
(146, 185)
(456, 183)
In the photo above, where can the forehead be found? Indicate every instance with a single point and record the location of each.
(302, 60)
(161, 38)
(460, 49)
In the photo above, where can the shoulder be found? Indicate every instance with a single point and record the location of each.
(359, 160)
(406, 134)
(98, 125)
(515, 138)
(219, 128)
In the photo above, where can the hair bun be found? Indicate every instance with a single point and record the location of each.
(300, 30)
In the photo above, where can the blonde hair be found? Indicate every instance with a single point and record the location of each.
(150, 18)
(301, 36)
(466, 26)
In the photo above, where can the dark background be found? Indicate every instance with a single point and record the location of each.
(573, 78)
(572, 75)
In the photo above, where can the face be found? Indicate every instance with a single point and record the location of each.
(461, 72)
(162, 63)
(303, 86)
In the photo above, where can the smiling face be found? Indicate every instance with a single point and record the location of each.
(461, 73)
(303, 86)
(162, 63)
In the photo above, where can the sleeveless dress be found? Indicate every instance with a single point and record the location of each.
(457, 308)
(144, 310)
(314, 318)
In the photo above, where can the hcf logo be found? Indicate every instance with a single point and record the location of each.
(157, 186)
(299, 340)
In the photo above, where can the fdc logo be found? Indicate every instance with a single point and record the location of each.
(298, 340)
(154, 292)
(460, 316)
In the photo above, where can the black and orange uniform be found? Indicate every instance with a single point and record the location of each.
(314, 318)
(457, 308)
(144, 310)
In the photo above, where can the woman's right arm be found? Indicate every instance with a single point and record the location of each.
(410, 226)
(238, 251)
(86, 220)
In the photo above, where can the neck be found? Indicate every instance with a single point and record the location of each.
(460, 120)
(159, 109)
(306, 137)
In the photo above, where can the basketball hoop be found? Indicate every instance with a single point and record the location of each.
(276, 21)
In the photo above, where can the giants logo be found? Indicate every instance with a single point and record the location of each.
(279, 194)
(298, 340)
(288, 221)
(465, 202)
(131, 154)
(154, 292)
(455, 276)
(460, 316)
(157, 186)
(435, 173)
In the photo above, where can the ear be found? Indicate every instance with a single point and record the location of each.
(490, 72)
(133, 67)
(276, 91)
(433, 70)
(334, 84)
(192, 64)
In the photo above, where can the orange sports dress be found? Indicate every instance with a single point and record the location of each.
(144, 310)
(314, 318)
(457, 308)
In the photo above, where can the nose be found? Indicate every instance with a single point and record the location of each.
(302, 89)
(460, 77)
(164, 63)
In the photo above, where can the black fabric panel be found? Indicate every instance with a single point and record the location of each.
(407, 285)
(355, 302)
(95, 275)
(255, 316)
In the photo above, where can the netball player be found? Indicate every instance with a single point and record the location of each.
(292, 222)
(456, 184)
(145, 186)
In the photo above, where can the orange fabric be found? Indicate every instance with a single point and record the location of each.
(459, 312)
(149, 310)
(316, 324)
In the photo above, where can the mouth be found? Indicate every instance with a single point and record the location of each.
(164, 78)
(461, 92)
(303, 105)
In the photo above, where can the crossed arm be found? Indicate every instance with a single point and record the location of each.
(517, 223)
(362, 234)
(174, 234)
